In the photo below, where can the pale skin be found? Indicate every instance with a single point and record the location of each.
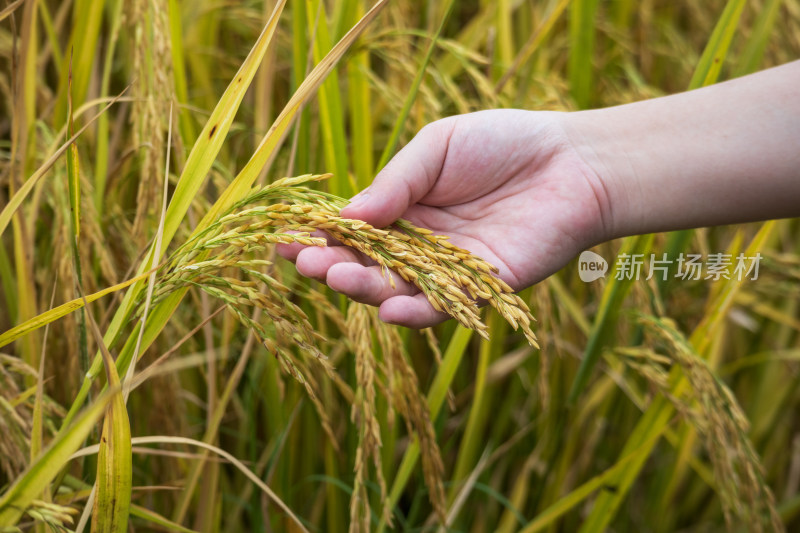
(529, 190)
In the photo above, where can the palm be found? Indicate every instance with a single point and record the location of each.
(527, 211)
(506, 185)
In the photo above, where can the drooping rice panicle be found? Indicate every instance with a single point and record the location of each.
(363, 414)
(452, 279)
(709, 405)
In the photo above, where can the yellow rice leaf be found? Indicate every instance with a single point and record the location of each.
(61, 311)
(114, 461)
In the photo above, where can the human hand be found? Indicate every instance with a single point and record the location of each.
(508, 185)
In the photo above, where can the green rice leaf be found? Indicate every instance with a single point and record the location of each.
(708, 69)
(582, 34)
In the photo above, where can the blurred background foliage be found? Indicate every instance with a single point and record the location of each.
(630, 436)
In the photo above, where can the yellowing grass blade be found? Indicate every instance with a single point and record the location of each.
(708, 68)
(157, 519)
(35, 479)
(63, 310)
(114, 461)
(10, 9)
(114, 467)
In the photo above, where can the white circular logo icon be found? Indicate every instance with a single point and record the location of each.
(591, 266)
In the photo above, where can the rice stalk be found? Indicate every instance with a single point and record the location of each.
(408, 399)
(364, 416)
(152, 68)
(712, 408)
(453, 355)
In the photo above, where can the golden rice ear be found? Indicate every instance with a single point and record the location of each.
(710, 407)
(364, 415)
(445, 273)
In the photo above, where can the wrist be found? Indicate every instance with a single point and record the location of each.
(601, 142)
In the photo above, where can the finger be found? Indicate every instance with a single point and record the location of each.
(406, 179)
(367, 284)
(290, 251)
(314, 262)
(411, 311)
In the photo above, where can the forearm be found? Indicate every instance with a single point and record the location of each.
(724, 154)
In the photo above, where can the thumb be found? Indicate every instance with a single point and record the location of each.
(406, 179)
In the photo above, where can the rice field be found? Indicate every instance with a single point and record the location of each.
(163, 369)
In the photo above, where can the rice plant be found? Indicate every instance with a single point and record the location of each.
(161, 368)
